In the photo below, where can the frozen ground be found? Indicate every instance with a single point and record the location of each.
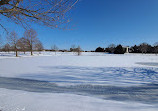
(66, 82)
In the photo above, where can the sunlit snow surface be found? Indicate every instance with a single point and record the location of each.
(90, 82)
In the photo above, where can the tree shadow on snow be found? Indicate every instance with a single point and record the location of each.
(96, 75)
(113, 83)
(148, 63)
(146, 93)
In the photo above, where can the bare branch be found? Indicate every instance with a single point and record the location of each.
(51, 13)
(4, 28)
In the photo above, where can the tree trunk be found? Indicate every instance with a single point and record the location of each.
(16, 51)
(31, 50)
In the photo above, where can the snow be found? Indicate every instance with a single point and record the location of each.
(97, 68)
(26, 101)
(79, 79)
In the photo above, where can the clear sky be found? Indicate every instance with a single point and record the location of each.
(102, 22)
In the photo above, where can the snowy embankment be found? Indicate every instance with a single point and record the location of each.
(90, 82)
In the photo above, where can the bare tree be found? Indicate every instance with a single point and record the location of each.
(143, 47)
(22, 44)
(13, 40)
(6, 47)
(78, 50)
(73, 47)
(112, 47)
(39, 46)
(54, 48)
(156, 47)
(31, 37)
(51, 13)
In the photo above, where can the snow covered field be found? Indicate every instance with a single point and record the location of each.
(90, 82)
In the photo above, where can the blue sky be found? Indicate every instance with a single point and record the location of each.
(102, 22)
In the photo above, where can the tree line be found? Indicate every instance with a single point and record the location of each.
(75, 49)
(29, 42)
(119, 49)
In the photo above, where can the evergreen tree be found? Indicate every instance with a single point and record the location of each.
(99, 49)
(119, 50)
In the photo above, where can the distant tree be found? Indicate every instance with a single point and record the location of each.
(150, 49)
(144, 47)
(73, 47)
(78, 50)
(156, 47)
(22, 44)
(119, 50)
(13, 40)
(135, 49)
(99, 49)
(111, 48)
(54, 48)
(39, 46)
(6, 47)
(31, 37)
